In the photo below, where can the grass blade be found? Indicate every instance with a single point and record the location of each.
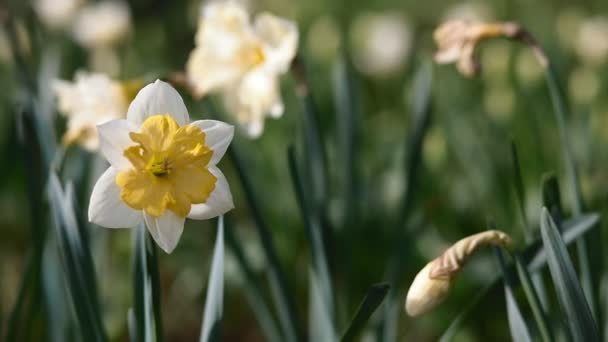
(370, 303)
(214, 302)
(517, 325)
(320, 321)
(569, 291)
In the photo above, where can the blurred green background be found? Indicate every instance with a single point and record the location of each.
(465, 177)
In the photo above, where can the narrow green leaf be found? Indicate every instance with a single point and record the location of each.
(321, 289)
(569, 291)
(551, 196)
(252, 288)
(457, 322)
(519, 191)
(347, 119)
(142, 294)
(533, 300)
(75, 263)
(374, 297)
(421, 112)
(320, 321)
(214, 302)
(517, 324)
(276, 276)
(573, 229)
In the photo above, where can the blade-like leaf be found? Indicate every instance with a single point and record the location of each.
(322, 309)
(533, 300)
(253, 290)
(276, 276)
(421, 112)
(214, 302)
(142, 294)
(76, 263)
(517, 324)
(370, 303)
(569, 291)
(573, 228)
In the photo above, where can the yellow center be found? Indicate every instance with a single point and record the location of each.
(170, 168)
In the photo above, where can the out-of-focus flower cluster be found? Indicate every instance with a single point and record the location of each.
(243, 60)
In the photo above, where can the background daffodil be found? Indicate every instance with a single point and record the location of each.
(243, 60)
(163, 168)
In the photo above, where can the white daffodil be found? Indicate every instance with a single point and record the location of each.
(163, 167)
(90, 100)
(56, 14)
(243, 60)
(102, 24)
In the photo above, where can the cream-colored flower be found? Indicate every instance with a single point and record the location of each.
(592, 42)
(163, 167)
(381, 43)
(57, 14)
(432, 284)
(102, 24)
(456, 41)
(90, 100)
(243, 60)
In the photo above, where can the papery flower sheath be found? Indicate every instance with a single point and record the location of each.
(163, 167)
(432, 284)
(91, 99)
(243, 60)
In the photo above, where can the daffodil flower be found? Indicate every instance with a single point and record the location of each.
(102, 24)
(243, 61)
(163, 167)
(91, 99)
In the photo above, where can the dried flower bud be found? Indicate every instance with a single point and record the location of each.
(456, 41)
(432, 284)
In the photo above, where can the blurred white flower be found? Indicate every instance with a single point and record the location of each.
(57, 14)
(470, 11)
(381, 43)
(91, 99)
(102, 24)
(592, 42)
(163, 167)
(243, 60)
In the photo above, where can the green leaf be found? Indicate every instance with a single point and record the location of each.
(276, 276)
(143, 317)
(573, 229)
(374, 297)
(321, 293)
(421, 113)
(214, 302)
(77, 263)
(519, 191)
(252, 288)
(569, 291)
(517, 324)
(533, 300)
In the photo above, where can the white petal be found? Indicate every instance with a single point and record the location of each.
(106, 208)
(166, 230)
(281, 39)
(218, 136)
(157, 98)
(218, 203)
(114, 140)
